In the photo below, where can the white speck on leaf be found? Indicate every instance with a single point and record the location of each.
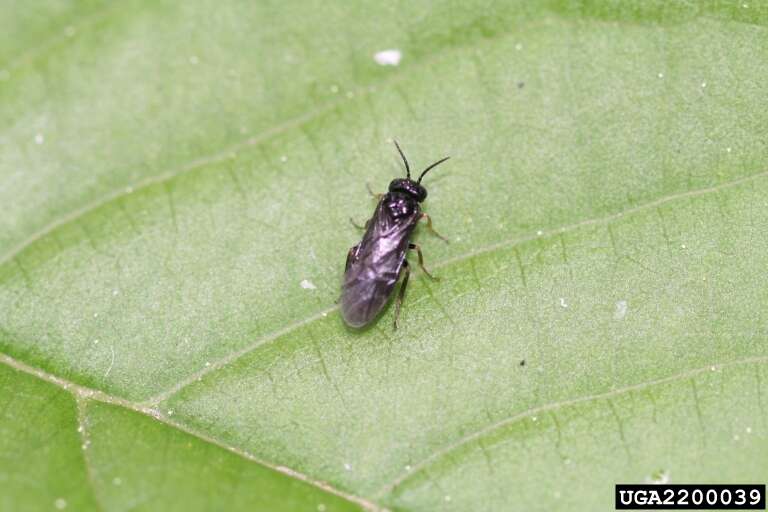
(519, 46)
(334, 89)
(447, 497)
(563, 304)
(388, 57)
(661, 75)
(39, 138)
(703, 85)
(308, 285)
(60, 503)
(348, 466)
(621, 310)
(283, 158)
(193, 60)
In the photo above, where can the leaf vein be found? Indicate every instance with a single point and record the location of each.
(82, 429)
(480, 433)
(512, 242)
(82, 394)
(29, 55)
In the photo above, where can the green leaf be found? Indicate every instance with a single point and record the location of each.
(177, 180)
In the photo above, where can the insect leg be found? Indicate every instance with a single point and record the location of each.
(432, 229)
(416, 248)
(401, 293)
(358, 226)
(373, 194)
(350, 255)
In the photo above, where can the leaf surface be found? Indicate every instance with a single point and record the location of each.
(177, 181)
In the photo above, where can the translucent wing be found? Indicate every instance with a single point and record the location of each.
(374, 264)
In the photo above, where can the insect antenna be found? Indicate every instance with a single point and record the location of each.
(405, 160)
(432, 167)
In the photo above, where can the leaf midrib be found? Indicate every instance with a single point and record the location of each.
(82, 394)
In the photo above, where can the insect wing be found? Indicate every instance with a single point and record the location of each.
(375, 266)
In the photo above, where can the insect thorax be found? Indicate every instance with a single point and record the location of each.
(400, 205)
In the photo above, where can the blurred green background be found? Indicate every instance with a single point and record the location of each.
(176, 182)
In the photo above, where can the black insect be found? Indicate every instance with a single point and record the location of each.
(374, 265)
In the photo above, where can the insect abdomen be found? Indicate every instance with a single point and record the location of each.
(365, 293)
